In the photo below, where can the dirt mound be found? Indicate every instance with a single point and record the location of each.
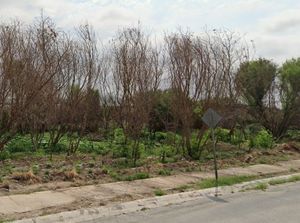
(4, 187)
(291, 147)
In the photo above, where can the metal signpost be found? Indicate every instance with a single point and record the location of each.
(211, 119)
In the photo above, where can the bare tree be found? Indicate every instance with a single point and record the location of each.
(202, 70)
(81, 93)
(49, 53)
(136, 73)
(30, 58)
(188, 63)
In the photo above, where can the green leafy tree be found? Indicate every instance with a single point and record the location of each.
(272, 96)
(161, 117)
(289, 75)
(254, 79)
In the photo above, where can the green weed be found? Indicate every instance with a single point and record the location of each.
(261, 186)
(224, 181)
(164, 172)
(137, 176)
(159, 192)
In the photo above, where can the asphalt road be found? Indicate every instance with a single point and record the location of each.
(279, 204)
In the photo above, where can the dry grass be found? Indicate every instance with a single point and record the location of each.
(71, 175)
(25, 177)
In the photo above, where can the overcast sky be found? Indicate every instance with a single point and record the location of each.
(274, 25)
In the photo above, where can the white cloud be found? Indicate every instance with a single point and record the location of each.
(277, 36)
(272, 24)
(288, 20)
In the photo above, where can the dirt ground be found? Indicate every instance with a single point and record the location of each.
(30, 174)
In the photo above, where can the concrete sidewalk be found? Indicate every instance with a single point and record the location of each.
(102, 194)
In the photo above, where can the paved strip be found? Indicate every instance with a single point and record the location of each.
(29, 202)
(277, 205)
(131, 211)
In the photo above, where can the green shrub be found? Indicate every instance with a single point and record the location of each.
(140, 150)
(19, 144)
(119, 136)
(164, 172)
(99, 148)
(119, 146)
(86, 146)
(105, 170)
(60, 147)
(165, 151)
(145, 134)
(293, 135)
(160, 136)
(172, 138)
(223, 135)
(205, 137)
(159, 192)
(39, 153)
(237, 138)
(263, 140)
(197, 146)
(120, 151)
(4, 155)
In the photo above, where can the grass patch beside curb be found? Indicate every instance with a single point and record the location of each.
(260, 186)
(159, 192)
(225, 181)
(283, 181)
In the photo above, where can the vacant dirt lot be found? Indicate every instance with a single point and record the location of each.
(32, 173)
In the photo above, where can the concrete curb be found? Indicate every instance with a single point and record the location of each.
(93, 214)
